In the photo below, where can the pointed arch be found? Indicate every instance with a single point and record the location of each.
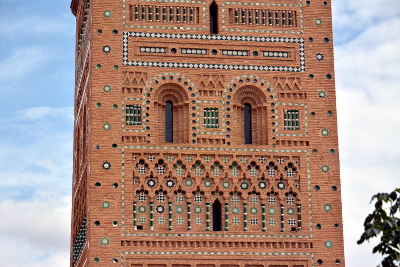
(213, 18)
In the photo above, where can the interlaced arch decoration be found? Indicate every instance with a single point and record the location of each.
(252, 191)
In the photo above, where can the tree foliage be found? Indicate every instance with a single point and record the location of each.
(383, 223)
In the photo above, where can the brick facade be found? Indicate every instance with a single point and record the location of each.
(249, 174)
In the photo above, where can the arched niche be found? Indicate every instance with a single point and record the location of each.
(250, 108)
(173, 125)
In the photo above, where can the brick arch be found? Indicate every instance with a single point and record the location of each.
(171, 92)
(249, 94)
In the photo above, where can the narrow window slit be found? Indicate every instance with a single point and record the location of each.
(191, 15)
(157, 13)
(169, 130)
(171, 14)
(150, 13)
(184, 14)
(143, 13)
(164, 13)
(236, 16)
(136, 12)
(216, 209)
(213, 18)
(247, 124)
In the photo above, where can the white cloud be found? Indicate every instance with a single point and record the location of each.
(42, 222)
(367, 69)
(16, 253)
(36, 232)
(353, 17)
(35, 187)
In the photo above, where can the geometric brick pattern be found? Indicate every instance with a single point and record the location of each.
(205, 135)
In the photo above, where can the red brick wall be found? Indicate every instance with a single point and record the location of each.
(139, 189)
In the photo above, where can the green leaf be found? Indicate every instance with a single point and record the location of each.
(385, 197)
(387, 225)
(378, 204)
(362, 239)
(386, 228)
(393, 210)
(369, 219)
(377, 248)
(369, 233)
(393, 195)
(376, 230)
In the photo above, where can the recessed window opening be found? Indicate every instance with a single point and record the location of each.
(133, 115)
(247, 124)
(291, 120)
(169, 129)
(213, 18)
(216, 213)
(211, 117)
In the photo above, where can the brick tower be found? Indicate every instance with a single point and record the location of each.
(205, 135)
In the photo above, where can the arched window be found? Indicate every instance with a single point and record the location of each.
(213, 18)
(172, 105)
(216, 214)
(249, 104)
(247, 124)
(169, 122)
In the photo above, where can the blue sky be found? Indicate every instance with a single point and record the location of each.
(36, 122)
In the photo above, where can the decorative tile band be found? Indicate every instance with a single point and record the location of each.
(211, 133)
(299, 41)
(194, 51)
(219, 149)
(275, 54)
(215, 253)
(174, 1)
(235, 52)
(123, 253)
(209, 102)
(144, 49)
